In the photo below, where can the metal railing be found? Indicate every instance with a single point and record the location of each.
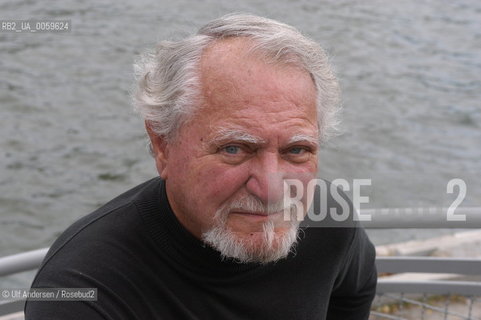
(429, 265)
(420, 217)
(425, 307)
(17, 263)
(427, 299)
(21, 262)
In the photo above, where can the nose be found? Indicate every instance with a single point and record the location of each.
(266, 177)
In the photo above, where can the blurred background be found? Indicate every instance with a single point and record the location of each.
(410, 72)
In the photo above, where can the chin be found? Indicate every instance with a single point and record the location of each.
(268, 245)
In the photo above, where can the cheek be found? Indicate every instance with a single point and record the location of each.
(221, 181)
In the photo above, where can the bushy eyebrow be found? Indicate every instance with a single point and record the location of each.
(223, 135)
(304, 138)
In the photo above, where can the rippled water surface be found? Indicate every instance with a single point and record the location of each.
(410, 73)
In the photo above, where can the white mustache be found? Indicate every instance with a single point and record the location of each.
(253, 204)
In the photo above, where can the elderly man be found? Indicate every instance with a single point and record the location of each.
(231, 113)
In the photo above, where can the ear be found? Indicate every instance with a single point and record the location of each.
(159, 150)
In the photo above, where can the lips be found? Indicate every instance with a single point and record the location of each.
(258, 215)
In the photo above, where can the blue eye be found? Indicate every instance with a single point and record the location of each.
(296, 150)
(231, 149)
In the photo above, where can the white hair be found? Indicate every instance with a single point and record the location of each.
(168, 90)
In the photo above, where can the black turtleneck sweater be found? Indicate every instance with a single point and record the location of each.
(146, 265)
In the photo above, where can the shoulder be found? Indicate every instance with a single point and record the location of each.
(102, 250)
(101, 237)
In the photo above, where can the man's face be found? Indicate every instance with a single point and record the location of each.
(257, 124)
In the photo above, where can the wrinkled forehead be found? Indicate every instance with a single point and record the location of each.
(229, 66)
(242, 49)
